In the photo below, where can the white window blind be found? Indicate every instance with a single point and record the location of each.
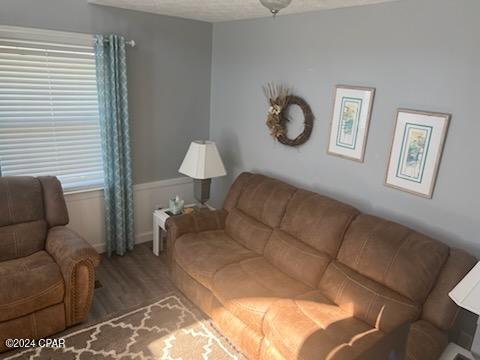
(49, 122)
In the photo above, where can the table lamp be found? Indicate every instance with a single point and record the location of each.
(467, 295)
(202, 163)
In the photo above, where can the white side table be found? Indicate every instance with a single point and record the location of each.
(452, 350)
(159, 219)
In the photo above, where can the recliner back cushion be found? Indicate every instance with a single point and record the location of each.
(393, 255)
(317, 220)
(22, 226)
(246, 230)
(56, 213)
(295, 258)
(256, 209)
(236, 190)
(21, 200)
(21, 240)
(309, 236)
(265, 199)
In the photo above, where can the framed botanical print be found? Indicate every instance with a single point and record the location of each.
(416, 151)
(351, 117)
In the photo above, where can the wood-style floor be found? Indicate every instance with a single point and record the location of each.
(129, 281)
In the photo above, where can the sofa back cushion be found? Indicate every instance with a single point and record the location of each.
(393, 255)
(236, 190)
(255, 208)
(265, 199)
(317, 220)
(248, 231)
(295, 258)
(22, 218)
(309, 235)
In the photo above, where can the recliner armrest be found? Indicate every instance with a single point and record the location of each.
(76, 259)
(202, 220)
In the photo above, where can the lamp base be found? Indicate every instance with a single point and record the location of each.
(201, 190)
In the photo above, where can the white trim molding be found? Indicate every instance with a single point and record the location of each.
(86, 209)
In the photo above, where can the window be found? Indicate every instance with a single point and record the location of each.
(49, 122)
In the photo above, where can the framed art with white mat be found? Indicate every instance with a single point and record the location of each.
(352, 110)
(416, 151)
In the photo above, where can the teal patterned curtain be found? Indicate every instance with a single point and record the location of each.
(111, 62)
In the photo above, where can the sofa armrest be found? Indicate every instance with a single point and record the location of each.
(200, 220)
(76, 259)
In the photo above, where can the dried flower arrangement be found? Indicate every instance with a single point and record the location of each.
(279, 98)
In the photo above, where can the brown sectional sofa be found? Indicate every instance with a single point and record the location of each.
(289, 274)
(46, 271)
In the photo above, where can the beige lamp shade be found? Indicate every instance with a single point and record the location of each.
(202, 161)
(467, 292)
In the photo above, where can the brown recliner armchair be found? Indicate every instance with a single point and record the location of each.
(47, 271)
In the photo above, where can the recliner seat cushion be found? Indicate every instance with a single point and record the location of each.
(248, 288)
(311, 326)
(29, 284)
(201, 255)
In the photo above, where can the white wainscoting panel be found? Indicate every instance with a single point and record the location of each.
(86, 209)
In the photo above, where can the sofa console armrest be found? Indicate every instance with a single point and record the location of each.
(76, 259)
(391, 346)
(200, 220)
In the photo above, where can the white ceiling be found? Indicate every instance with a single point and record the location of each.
(225, 10)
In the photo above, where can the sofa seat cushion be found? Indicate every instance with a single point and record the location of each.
(248, 288)
(312, 327)
(34, 282)
(202, 254)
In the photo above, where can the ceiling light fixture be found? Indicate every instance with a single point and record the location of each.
(275, 5)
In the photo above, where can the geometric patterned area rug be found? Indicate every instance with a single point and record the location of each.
(166, 329)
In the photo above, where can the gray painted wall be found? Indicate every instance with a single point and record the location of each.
(420, 54)
(169, 74)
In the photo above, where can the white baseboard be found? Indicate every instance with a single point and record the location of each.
(86, 210)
